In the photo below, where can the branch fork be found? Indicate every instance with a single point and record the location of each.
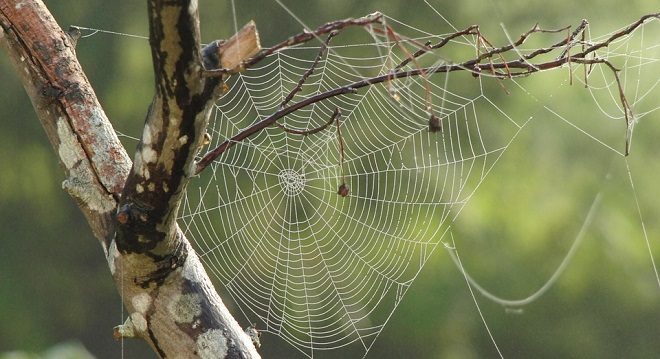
(132, 208)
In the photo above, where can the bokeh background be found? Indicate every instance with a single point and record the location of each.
(55, 286)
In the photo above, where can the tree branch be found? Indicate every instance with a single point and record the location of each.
(171, 300)
(173, 131)
(94, 161)
(305, 36)
(472, 65)
(164, 268)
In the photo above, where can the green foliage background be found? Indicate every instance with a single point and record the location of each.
(55, 285)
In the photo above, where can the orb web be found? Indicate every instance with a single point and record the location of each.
(320, 270)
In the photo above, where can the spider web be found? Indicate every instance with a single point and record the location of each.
(323, 271)
(317, 269)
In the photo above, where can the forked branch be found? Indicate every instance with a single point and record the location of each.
(489, 60)
(132, 211)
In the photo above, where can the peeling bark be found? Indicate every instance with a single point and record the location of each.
(132, 210)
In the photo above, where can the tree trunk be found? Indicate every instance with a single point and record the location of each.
(132, 210)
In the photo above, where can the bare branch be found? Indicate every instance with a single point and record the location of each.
(308, 132)
(147, 233)
(428, 47)
(500, 69)
(91, 155)
(309, 71)
(170, 298)
(213, 154)
(625, 31)
(310, 35)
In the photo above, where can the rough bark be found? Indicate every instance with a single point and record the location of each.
(93, 159)
(132, 211)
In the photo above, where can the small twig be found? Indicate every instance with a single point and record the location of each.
(625, 31)
(428, 47)
(309, 71)
(310, 35)
(569, 40)
(586, 77)
(521, 40)
(308, 132)
(568, 55)
(482, 40)
(210, 156)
